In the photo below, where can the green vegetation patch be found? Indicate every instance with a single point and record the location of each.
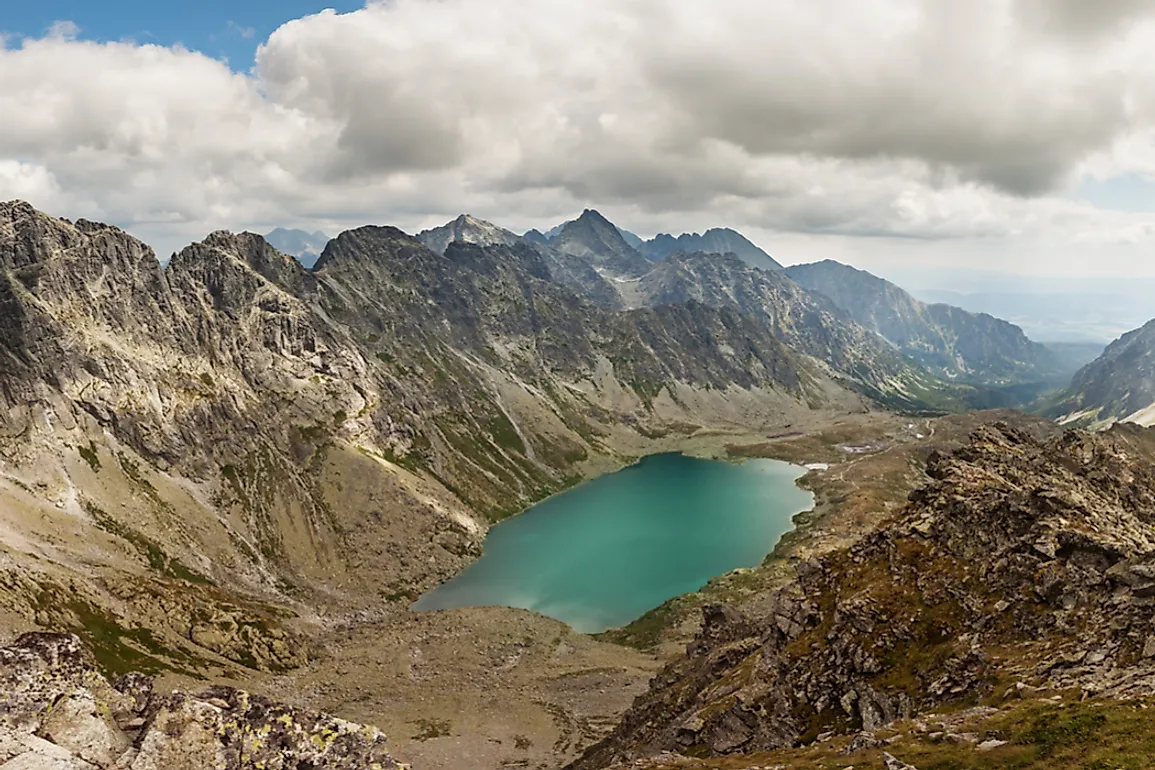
(90, 456)
(117, 649)
(1089, 735)
(504, 434)
(428, 729)
(157, 559)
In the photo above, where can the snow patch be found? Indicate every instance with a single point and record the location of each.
(1144, 416)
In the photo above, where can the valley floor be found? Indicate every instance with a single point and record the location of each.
(496, 687)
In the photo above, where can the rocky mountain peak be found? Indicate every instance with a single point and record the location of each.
(28, 236)
(366, 246)
(223, 260)
(594, 237)
(84, 270)
(466, 228)
(592, 220)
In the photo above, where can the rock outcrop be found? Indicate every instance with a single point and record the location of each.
(58, 713)
(1024, 561)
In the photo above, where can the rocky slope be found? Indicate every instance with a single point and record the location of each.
(1025, 561)
(305, 246)
(1117, 386)
(948, 341)
(58, 713)
(717, 240)
(575, 272)
(807, 321)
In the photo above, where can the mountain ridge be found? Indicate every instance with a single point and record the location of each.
(716, 240)
(950, 342)
(1118, 386)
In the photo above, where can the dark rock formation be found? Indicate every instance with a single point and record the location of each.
(807, 322)
(574, 272)
(591, 236)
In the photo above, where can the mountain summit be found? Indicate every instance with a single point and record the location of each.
(718, 240)
(466, 229)
(594, 237)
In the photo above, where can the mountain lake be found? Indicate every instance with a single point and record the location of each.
(605, 552)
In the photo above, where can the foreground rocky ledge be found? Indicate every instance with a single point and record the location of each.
(58, 713)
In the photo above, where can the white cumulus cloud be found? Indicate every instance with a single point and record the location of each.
(891, 119)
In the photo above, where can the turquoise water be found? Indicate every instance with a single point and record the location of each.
(603, 553)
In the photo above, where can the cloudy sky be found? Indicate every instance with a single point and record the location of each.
(1005, 135)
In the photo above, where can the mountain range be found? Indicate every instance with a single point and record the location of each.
(948, 341)
(305, 246)
(201, 421)
(230, 465)
(718, 240)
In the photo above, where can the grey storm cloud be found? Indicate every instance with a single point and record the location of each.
(1082, 18)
